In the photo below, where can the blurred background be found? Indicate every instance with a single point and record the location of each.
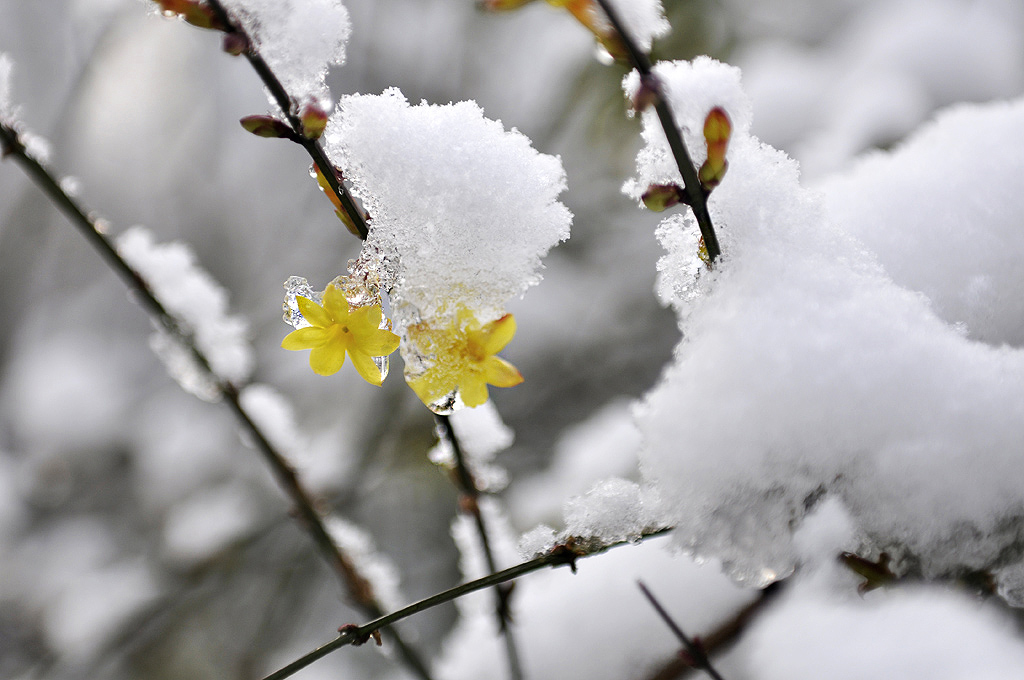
(139, 536)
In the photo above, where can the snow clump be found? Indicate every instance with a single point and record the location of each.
(461, 209)
(804, 371)
(189, 293)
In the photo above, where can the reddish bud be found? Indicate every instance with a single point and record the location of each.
(717, 130)
(659, 197)
(267, 126)
(314, 120)
(648, 93)
(711, 173)
(501, 5)
(235, 43)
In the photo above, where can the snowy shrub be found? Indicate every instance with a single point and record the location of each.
(804, 440)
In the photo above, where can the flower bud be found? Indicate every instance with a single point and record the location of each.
(659, 197)
(717, 130)
(314, 120)
(267, 126)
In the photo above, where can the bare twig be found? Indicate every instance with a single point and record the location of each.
(284, 102)
(471, 494)
(698, 655)
(564, 554)
(695, 194)
(722, 637)
(359, 589)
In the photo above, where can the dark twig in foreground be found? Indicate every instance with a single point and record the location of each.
(284, 102)
(93, 230)
(695, 194)
(470, 503)
(565, 554)
(722, 637)
(697, 653)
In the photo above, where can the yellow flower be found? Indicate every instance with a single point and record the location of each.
(463, 357)
(336, 330)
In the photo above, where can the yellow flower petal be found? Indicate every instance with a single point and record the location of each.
(380, 343)
(305, 338)
(366, 367)
(473, 390)
(498, 333)
(313, 313)
(328, 358)
(365, 317)
(335, 304)
(501, 373)
(426, 389)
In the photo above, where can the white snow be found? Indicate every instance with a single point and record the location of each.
(6, 67)
(908, 633)
(299, 39)
(644, 20)
(941, 217)
(190, 293)
(482, 434)
(369, 562)
(602, 447)
(461, 209)
(805, 370)
(596, 623)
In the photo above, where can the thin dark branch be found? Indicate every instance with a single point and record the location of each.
(284, 102)
(471, 493)
(695, 194)
(723, 637)
(697, 653)
(565, 554)
(360, 590)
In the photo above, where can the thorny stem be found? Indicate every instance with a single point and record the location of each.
(92, 229)
(696, 197)
(696, 652)
(565, 554)
(468, 485)
(284, 102)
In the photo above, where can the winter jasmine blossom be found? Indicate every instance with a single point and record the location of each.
(336, 330)
(464, 359)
